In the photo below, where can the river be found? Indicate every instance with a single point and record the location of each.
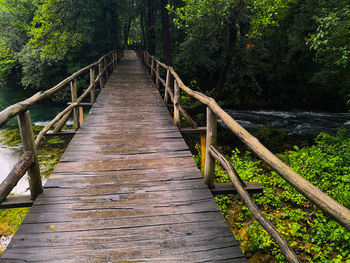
(298, 122)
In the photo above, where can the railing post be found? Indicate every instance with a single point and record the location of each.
(74, 92)
(92, 81)
(209, 167)
(176, 104)
(157, 77)
(100, 69)
(115, 60)
(152, 67)
(25, 127)
(106, 68)
(167, 86)
(203, 149)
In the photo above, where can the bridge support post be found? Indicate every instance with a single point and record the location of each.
(25, 127)
(92, 81)
(203, 150)
(115, 60)
(209, 167)
(157, 77)
(176, 104)
(167, 86)
(100, 69)
(106, 68)
(74, 92)
(152, 67)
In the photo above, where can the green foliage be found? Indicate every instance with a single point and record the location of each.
(331, 40)
(314, 236)
(266, 13)
(10, 220)
(59, 26)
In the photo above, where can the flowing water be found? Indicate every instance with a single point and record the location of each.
(303, 122)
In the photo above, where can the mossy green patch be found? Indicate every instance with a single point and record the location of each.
(11, 219)
(313, 235)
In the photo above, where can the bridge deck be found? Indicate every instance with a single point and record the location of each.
(126, 189)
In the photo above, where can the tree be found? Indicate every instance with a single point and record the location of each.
(15, 17)
(165, 32)
(331, 40)
(219, 24)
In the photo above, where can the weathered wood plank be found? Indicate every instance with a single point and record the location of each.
(228, 188)
(16, 202)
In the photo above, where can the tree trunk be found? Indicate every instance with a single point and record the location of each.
(165, 32)
(143, 35)
(228, 54)
(126, 34)
(150, 28)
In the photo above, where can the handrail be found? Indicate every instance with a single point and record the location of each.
(14, 109)
(29, 161)
(328, 205)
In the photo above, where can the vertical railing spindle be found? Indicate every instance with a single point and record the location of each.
(74, 92)
(167, 86)
(157, 77)
(92, 82)
(152, 67)
(209, 167)
(176, 104)
(100, 69)
(203, 149)
(25, 127)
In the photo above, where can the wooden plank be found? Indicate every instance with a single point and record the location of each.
(228, 188)
(16, 202)
(64, 132)
(85, 104)
(193, 130)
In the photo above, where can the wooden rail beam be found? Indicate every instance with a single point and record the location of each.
(284, 246)
(16, 174)
(62, 122)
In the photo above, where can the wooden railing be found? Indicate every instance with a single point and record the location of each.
(29, 161)
(331, 207)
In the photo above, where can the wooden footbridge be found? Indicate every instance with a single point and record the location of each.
(127, 188)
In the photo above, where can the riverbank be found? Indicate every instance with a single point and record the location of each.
(323, 160)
